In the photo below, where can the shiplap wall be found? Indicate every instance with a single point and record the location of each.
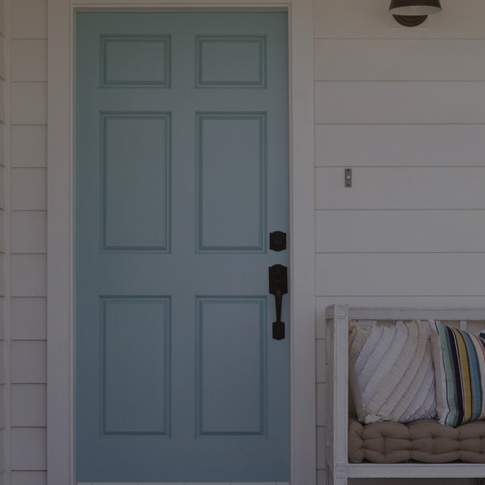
(28, 133)
(405, 109)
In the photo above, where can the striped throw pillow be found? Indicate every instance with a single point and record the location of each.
(391, 372)
(459, 361)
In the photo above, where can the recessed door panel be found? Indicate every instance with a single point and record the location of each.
(231, 149)
(136, 161)
(231, 363)
(231, 61)
(135, 384)
(135, 61)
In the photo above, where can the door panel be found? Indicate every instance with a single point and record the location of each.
(231, 156)
(130, 324)
(231, 331)
(144, 138)
(181, 174)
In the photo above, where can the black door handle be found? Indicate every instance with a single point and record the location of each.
(278, 286)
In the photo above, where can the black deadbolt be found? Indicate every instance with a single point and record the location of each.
(277, 241)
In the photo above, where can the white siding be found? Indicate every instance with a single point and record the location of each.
(28, 150)
(32, 154)
(29, 478)
(399, 59)
(28, 448)
(398, 188)
(29, 231)
(28, 319)
(390, 231)
(353, 19)
(350, 102)
(404, 108)
(29, 103)
(29, 405)
(29, 19)
(399, 145)
(29, 60)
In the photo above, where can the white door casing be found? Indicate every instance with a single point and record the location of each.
(60, 276)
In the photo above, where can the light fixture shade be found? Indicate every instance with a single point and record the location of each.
(414, 7)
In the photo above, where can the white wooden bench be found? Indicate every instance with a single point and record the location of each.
(337, 391)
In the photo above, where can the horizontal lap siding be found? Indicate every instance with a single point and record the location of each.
(405, 110)
(390, 231)
(396, 145)
(28, 239)
(353, 19)
(435, 102)
(400, 188)
(401, 274)
(399, 60)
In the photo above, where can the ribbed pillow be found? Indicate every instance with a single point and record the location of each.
(391, 372)
(459, 360)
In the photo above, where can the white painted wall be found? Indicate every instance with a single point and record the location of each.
(403, 107)
(27, 23)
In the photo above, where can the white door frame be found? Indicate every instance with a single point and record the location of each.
(60, 199)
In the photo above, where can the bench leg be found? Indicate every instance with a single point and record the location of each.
(333, 480)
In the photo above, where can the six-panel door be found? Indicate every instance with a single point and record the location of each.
(181, 174)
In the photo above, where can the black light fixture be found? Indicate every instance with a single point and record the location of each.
(413, 12)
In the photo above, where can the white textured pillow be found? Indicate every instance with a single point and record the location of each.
(391, 372)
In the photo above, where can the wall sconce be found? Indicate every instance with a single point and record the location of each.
(413, 12)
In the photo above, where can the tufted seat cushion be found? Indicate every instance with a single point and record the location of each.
(425, 441)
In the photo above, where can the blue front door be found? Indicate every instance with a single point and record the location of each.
(181, 175)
